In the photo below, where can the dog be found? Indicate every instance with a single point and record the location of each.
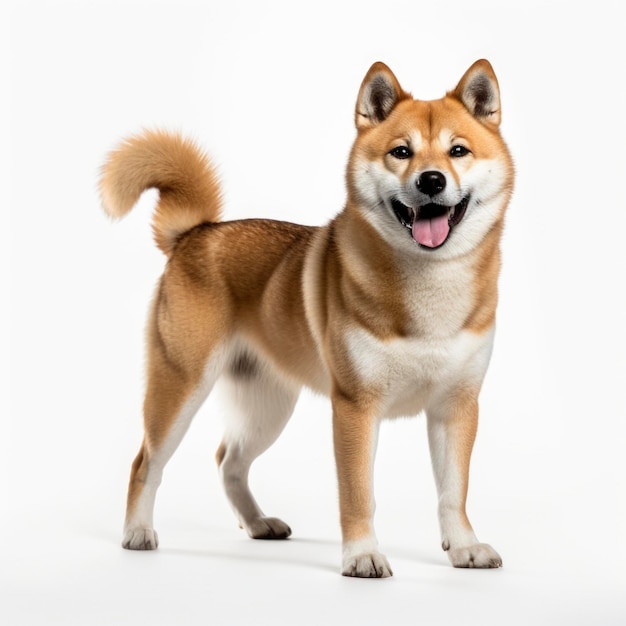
(388, 309)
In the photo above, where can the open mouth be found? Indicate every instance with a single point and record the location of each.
(430, 225)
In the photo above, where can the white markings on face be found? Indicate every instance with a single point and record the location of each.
(416, 141)
(483, 181)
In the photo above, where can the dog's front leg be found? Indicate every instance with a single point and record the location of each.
(452, 428)
(355, 432)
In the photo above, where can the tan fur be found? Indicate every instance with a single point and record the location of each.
(189, 191)
(356, 309)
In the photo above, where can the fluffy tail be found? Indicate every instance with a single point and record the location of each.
(187, 183)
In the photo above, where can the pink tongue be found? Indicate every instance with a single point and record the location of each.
(431, 232)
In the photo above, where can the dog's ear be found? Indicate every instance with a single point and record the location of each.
(478, 90)
(380, 92)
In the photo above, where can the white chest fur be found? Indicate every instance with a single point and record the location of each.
(437, 356)
(411, 373)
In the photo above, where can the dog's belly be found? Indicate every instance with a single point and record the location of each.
(409, 374)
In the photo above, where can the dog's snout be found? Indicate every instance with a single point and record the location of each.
(431, 182)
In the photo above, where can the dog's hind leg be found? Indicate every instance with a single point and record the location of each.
(172, 399)
(262, 403)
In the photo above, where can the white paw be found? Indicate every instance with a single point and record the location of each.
(140, 539)
(366, 565)
(478, 555)
(268, 528)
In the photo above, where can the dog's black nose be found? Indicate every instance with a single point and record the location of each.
(431, 182)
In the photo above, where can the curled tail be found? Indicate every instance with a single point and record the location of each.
(187, 183)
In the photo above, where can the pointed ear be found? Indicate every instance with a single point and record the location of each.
(380, 92)
(478, 90)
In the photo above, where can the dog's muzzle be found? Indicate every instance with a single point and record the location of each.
(430, 225)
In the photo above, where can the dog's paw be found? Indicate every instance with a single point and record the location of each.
(140, 539)
(268, 528)
(366, 565)
(479, 555)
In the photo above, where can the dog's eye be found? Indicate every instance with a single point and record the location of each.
(459, 151)
(401, 152)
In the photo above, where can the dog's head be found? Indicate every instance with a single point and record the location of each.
(433, 177)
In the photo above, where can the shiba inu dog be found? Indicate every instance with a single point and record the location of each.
(389, 309)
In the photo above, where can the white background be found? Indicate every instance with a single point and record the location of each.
(268, 88)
